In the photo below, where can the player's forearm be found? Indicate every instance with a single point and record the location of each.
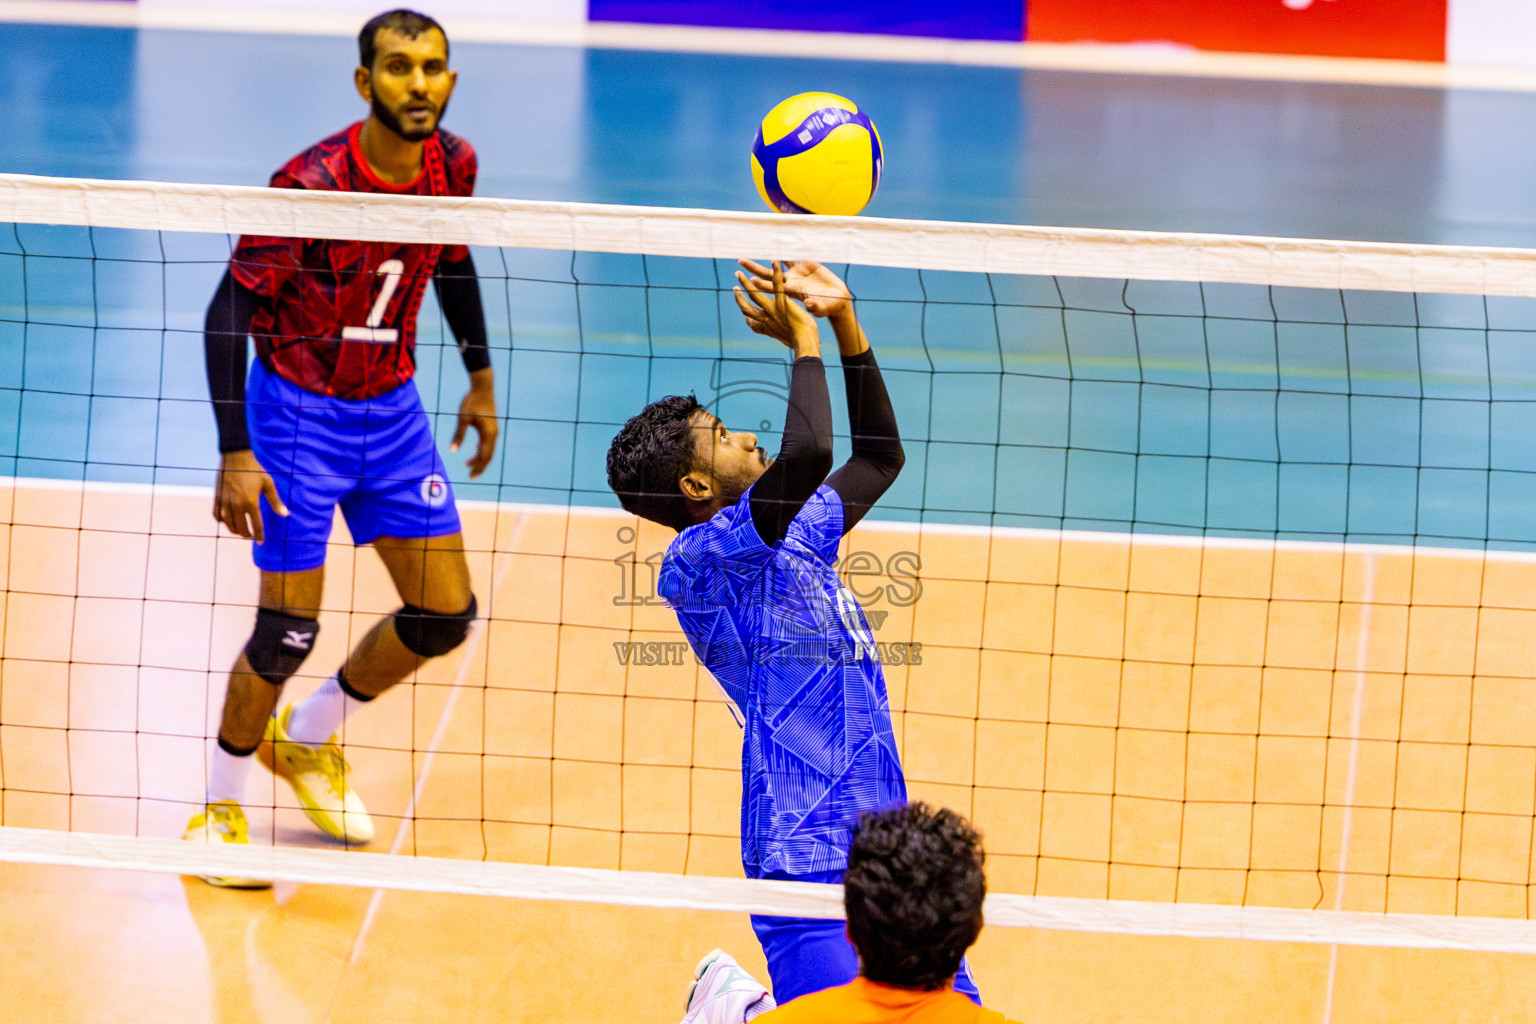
(805, 455)
(851, 340)
(805, 342)
(458, 293)
(805, 452)
(225, 327)
(808, 416)
(871, 420)
(877, 453)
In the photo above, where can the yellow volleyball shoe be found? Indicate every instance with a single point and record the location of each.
(319, 779)
(223, 822)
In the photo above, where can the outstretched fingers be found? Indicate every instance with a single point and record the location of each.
(760, 309)
(762, 274)
(806, 280)
(750, 312)
(756, 287)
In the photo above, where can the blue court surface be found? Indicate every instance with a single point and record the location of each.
(1158, 408)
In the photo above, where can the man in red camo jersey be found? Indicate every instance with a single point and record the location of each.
(328, 415)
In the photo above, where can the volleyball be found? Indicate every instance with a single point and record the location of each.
(817, 153)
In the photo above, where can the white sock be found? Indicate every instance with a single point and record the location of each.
(226, 775)
(318, 717)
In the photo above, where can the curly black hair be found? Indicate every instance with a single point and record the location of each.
(407, 22)
(649, 455)
(913, 893)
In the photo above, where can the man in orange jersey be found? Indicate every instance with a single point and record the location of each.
(913, 894)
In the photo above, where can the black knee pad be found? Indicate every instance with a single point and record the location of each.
(432, 634)
(279, 644)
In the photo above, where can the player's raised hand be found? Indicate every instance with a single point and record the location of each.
(478, 410)
(237, 494)
(772, 312)
(822, 291)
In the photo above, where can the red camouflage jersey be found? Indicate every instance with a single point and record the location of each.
(339, 318)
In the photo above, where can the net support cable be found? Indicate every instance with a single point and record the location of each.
(872, 241)
(744, 895)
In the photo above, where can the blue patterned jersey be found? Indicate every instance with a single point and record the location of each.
(790, 646)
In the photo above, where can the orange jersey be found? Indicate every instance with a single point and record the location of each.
(862, 1001)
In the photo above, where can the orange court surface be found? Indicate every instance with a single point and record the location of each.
(1151, 720)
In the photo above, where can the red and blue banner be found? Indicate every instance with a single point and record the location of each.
(1401, 29)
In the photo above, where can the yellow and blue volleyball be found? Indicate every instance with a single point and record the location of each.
(817, 153)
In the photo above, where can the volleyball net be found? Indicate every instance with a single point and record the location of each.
(1207, 591)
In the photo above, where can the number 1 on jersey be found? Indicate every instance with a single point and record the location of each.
(391, 270)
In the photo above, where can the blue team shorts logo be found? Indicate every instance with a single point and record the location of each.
(434, 491)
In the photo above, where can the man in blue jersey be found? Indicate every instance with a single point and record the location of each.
(752, 576)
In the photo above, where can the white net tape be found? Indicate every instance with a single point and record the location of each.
(871, 241)
(741, 895)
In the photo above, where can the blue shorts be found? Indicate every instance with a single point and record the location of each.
(375, 458)
(809, 954)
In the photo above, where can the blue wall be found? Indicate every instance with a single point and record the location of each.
(975, 19)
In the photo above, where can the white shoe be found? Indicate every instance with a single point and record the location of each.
(724, 993)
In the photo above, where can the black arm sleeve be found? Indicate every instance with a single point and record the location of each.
(804, 458)
(458, 293)
(224, 332)
(877, 453)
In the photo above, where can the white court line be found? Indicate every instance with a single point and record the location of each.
(1139, 58)
(1351, 778)
(497, 578)
(619, 516)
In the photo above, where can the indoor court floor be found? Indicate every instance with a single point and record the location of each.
(1055, 662)
(1400, 675)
